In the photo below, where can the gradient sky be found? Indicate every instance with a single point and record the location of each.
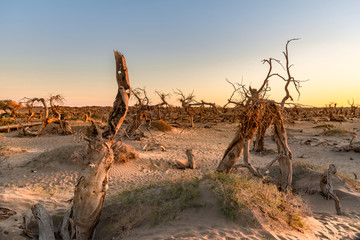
(65, 47)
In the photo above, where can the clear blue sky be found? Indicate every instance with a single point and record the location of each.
(65, 47)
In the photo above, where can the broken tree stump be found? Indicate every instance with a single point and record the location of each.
(327, 188)
(45, 222)
(191, 160)
(189, 163)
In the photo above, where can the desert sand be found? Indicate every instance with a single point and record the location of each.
(43, 169)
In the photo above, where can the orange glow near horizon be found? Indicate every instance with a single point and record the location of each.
(169, 45)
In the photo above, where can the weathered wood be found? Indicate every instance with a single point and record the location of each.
(188, 163)
(91, 188)
(17, 126)
(327, 188)
(191, 159)
(27, 216)
(64, 125)
(232, 153)
(6, 213)
(247, 162)
(45, 222)
(65, 228)
(246, 131)
(265, 122)
(285, 155)
(181, 164)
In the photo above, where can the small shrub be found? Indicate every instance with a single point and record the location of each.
(160, 125)
(237, 192)
(350, 181)
(8, 150)
(124, 153)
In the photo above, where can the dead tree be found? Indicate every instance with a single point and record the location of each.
(47, 118)
(353, 108)
(80, 221)
(245, 133)
(30, 106)
(11, 106)
(142, 112)
(238, 89)
(326, 187)
(257, 115)
(91, 188)
(186, 102)
(162, 105)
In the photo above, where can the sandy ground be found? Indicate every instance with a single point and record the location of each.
(43, 171)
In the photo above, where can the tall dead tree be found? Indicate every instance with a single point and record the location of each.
(80, 221)
(288, 79)
(258, 114)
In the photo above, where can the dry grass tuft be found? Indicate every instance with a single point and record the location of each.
(9, 150)
(237, 193)
(123, 153)
(152, 204)
(160, 125)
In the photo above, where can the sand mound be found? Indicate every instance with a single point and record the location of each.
(56, 158)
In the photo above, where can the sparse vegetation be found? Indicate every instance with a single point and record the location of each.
(237, 192)
(8, 150)
(124, 153)
(153, 203)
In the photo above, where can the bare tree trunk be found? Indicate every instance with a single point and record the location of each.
(247, 163)
(135, 123)
(285, 157)
(80, 221)
(191, 159)
(326, 187)
(232, 153)
(191, 116)
(45, 222)
(265, 122)
(246, 132)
